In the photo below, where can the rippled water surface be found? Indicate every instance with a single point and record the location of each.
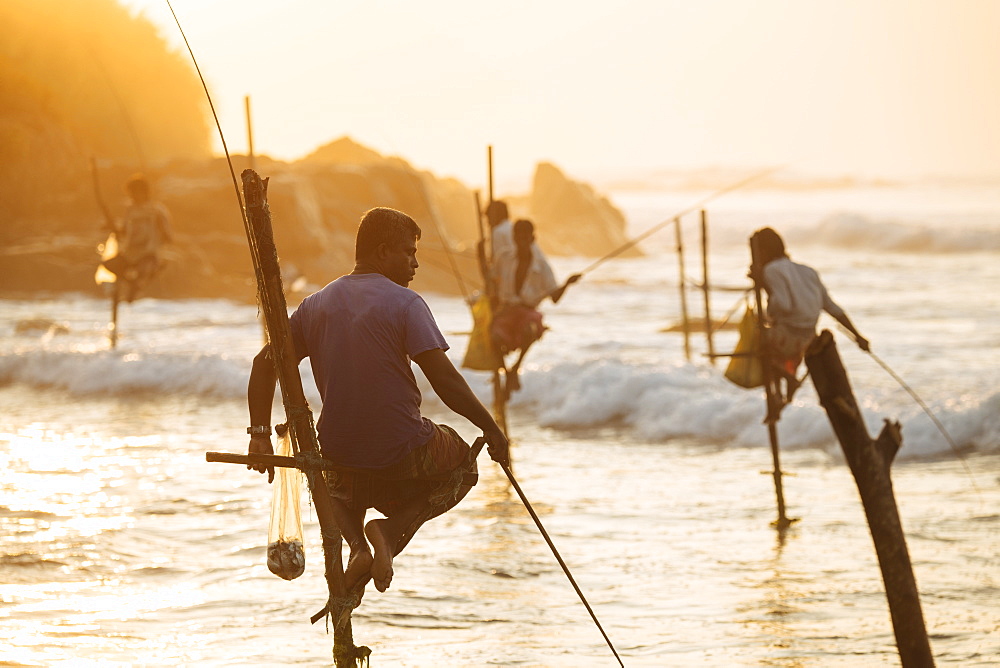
(120, 545)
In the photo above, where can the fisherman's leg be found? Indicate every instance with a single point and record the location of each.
(441, 468)
(390, 535)
(513, 383)
(351, 524)
(348, 495)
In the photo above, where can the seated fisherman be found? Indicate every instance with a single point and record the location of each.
(795, 298)
(360, 333)
(141, 234)
(524, 279)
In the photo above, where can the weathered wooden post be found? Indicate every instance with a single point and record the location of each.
(685, 323)
(299, 417)
(870, 462)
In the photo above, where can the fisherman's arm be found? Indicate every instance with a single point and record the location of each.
(456, 394)
(558, 292)
(260, 398)
(840, 316)
(849, 326)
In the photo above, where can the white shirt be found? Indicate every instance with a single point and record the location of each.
(538, 284)
(795, 294)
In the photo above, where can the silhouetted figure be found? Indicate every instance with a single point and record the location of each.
(795, 298)
(524, 279)
(360, 333)
(141, 233)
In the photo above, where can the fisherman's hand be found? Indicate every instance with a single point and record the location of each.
(863, 344)
(499, 448)
(260, 444)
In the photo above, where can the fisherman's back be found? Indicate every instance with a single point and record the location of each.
(796, 295)
(360, 333)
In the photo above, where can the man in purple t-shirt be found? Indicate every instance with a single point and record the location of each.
(360, 333)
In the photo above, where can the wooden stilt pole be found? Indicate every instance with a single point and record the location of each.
(870, 462)
(113, 325)
(489, 173)
(246, 104)
(772, 394)
(299, 417)
(705, 286)
(685, 323)
(486, 268)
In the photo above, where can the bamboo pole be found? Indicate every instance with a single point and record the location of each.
(685, 323)
(870, 463)
(486, 268)
(705, 286)
(298, 416)
(250, 155)
(113, 325)
(489, 172)
(769, 391)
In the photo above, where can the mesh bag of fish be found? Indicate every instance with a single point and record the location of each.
(286, 556)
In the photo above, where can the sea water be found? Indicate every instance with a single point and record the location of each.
(120, 545)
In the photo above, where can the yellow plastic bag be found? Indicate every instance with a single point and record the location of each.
(745, 368)
(482, 355)
(286, 556)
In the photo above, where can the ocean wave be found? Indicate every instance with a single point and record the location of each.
(107, 373)
(653, 403)
(854, 230)
(660, 404)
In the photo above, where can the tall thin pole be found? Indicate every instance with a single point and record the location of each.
(246, 104)
(685, 324)
(705, 287)
(489, 172)
(486, 267)
(113, 325)
(769, 390)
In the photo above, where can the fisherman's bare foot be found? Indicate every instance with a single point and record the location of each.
(359, 567)
(381, 569)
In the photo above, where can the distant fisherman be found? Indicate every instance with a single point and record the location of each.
(795, 298)
(360, 333)
(524, 279)
(141, 234)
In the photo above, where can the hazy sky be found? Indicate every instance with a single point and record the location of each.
(870, 87)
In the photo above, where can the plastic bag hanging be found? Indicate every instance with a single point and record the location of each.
(745, 368)
(286, 555)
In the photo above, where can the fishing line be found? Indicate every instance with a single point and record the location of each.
(925, 407)
(444, 242)
(648, 233)
(545, 535)
(232, 172)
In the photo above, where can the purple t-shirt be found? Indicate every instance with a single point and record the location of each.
(360, 333)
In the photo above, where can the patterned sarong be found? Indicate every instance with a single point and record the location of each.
(434, 470)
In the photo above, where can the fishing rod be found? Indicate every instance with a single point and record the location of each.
(923, 405)
(669, 221)
(225, 148)
(555, 552)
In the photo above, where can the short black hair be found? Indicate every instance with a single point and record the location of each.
(496, 212)
(770, 246)
(523, 226)
(383, 225)
(137, 185)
